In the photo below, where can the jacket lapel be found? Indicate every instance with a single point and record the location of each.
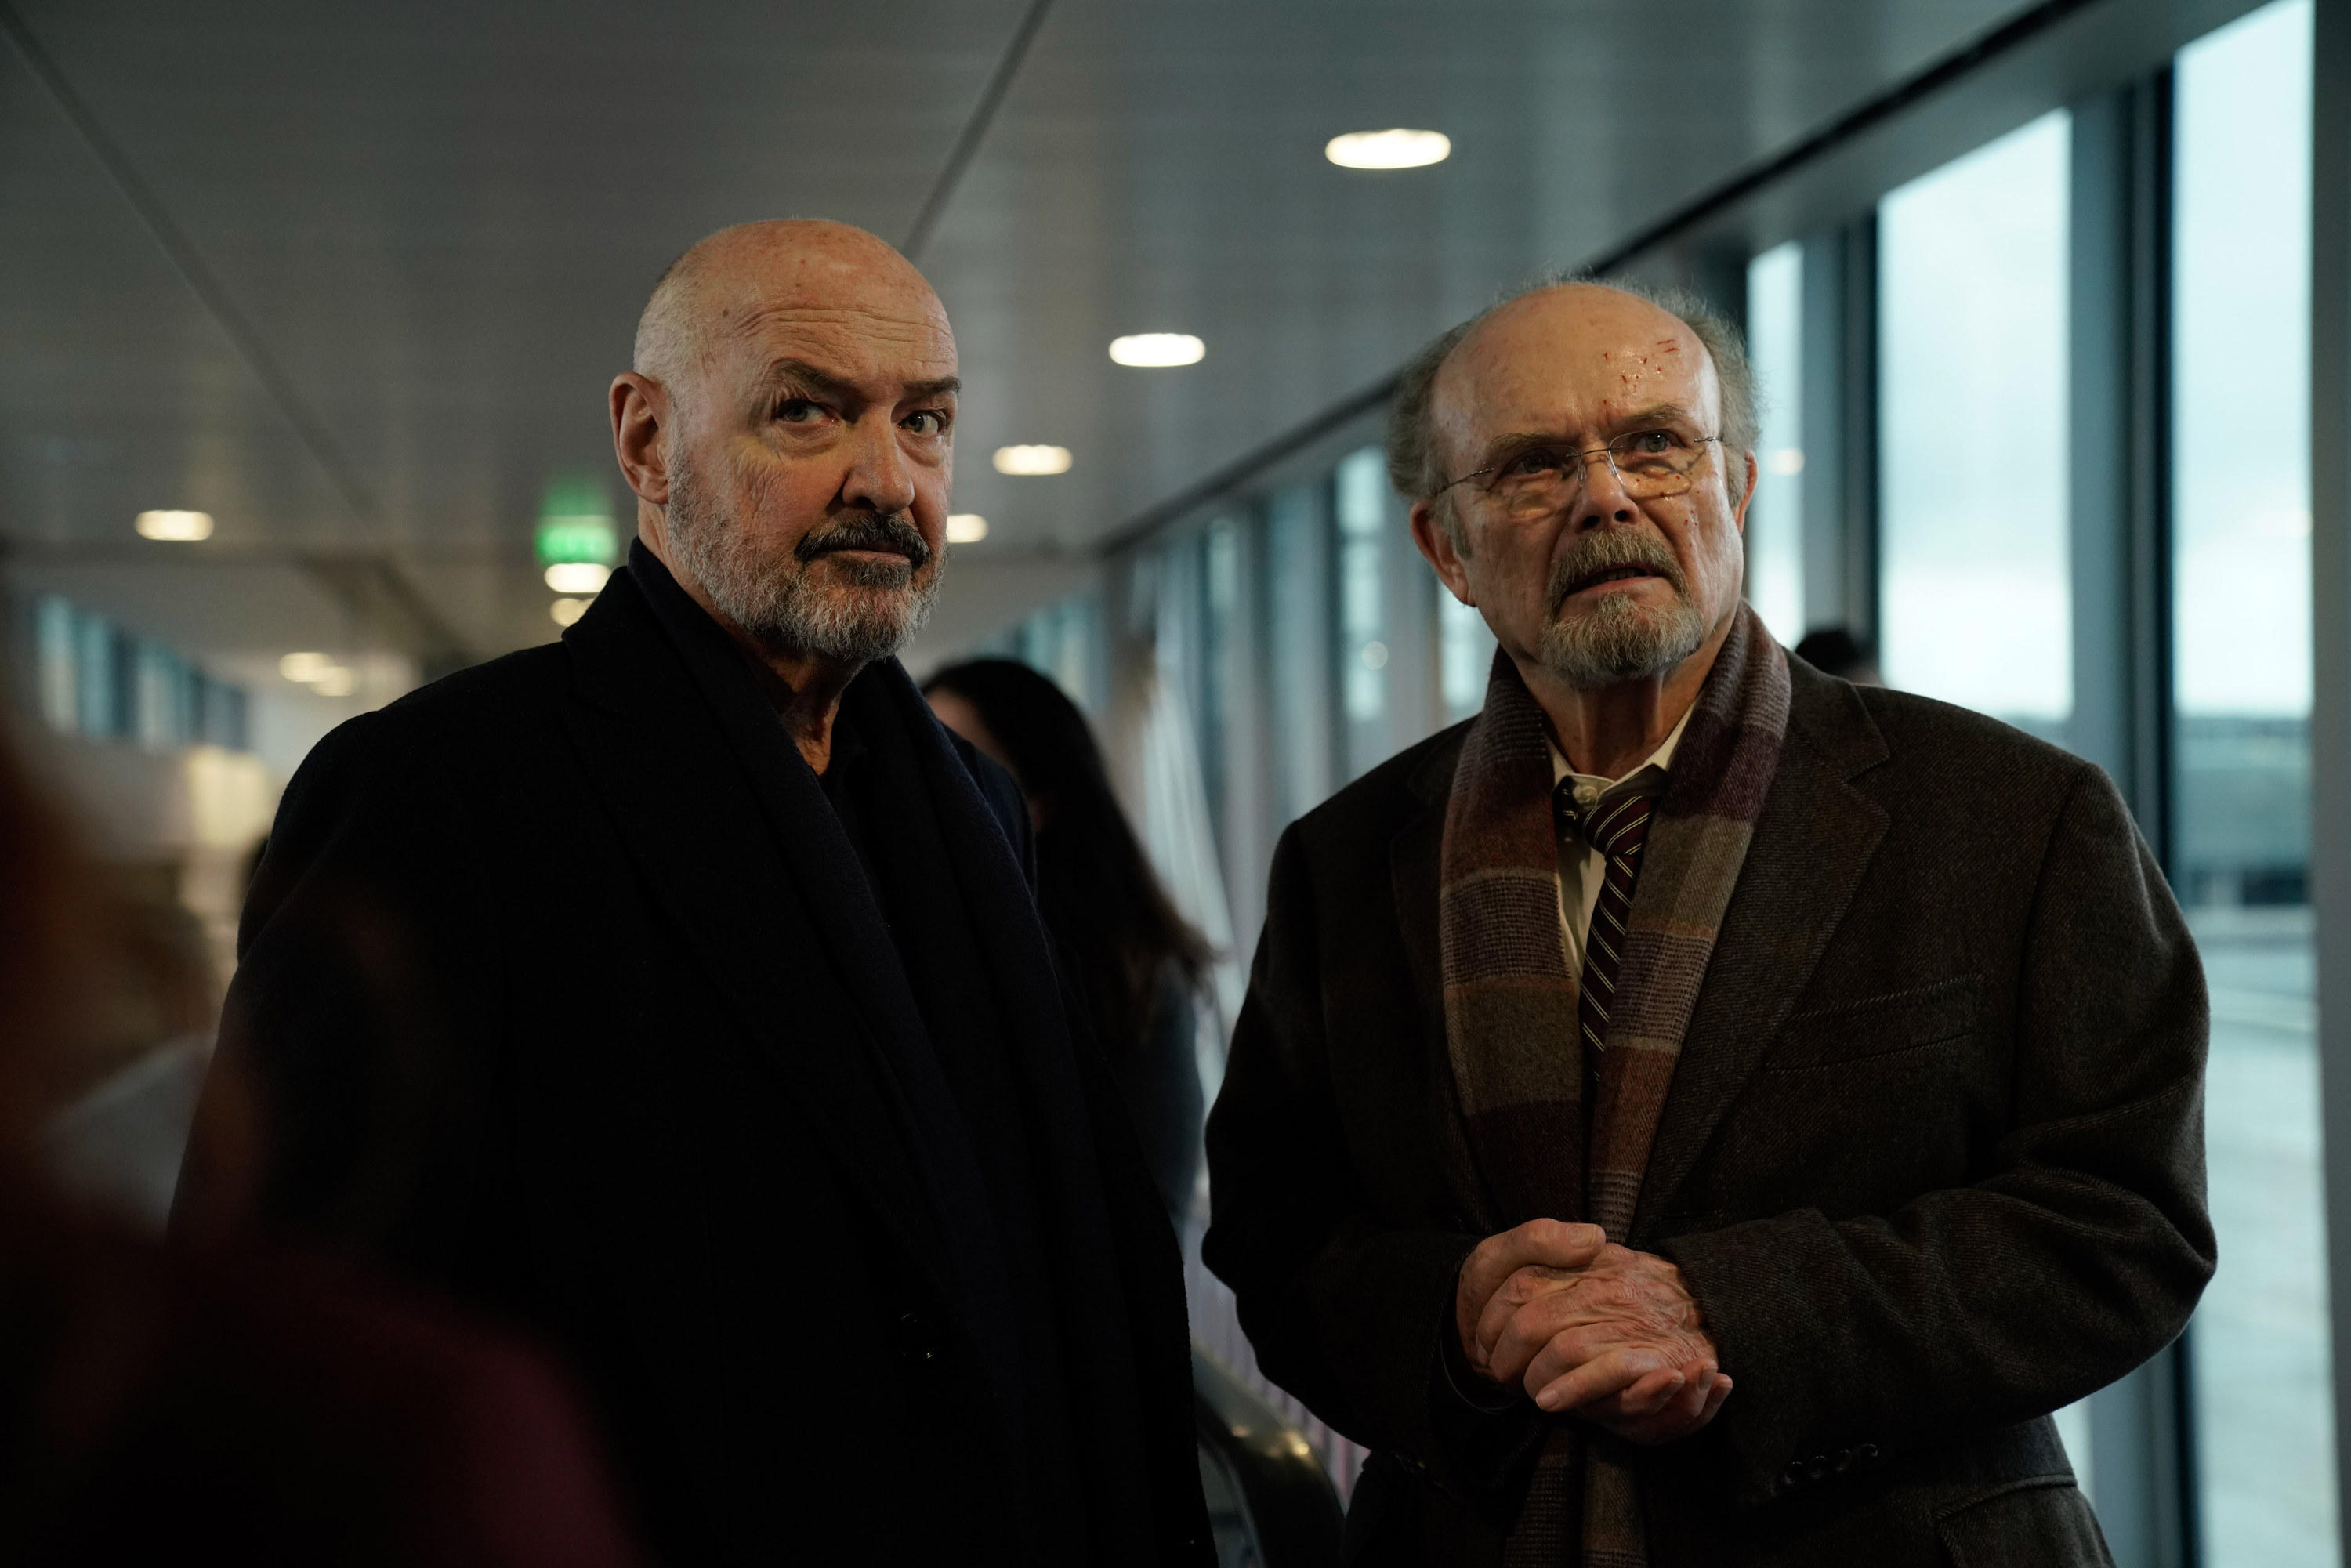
(724, 872)
(1415, 871)
(1812, 846)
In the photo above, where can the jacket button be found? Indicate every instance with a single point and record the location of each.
(919, 1339)
(1793, 1476)
(1843, 1460)
(1816, 1467)
(1866, 1452)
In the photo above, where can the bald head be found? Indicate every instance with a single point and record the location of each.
(730, 285)
(1544, 319)
(788, 430)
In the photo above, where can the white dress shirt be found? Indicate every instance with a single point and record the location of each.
(1582, 867)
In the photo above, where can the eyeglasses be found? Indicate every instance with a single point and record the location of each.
(1536, 481)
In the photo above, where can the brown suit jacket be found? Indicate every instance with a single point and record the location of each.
(1932, 1164)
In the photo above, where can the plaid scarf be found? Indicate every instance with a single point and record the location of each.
(1510, 1004)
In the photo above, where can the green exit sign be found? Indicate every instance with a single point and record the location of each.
(575, 521)
(565, 539)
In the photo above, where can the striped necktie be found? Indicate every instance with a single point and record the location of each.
(1617, 829)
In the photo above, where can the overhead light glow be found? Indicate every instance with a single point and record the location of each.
(1787, 460)
(178, 525)
(320, 673)
(1032, 460)
(1158, 348)
(966, 528)
(578, 576)
(1388, 148)
(565, 611)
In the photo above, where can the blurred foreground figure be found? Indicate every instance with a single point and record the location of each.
(731, 1054)
(1139, 964)
(247, 1407)
(1688, 1019)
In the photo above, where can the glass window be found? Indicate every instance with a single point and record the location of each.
(1775, 538)
(53, 633)
(99, 676)
(1465, 652)
(1360, 488)
(2242, 589)
(1972, 418)
(221, 720)
(1299, 679)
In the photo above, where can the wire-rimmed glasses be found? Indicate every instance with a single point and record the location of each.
(1541, 478)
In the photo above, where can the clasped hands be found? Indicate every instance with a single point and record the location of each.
(1583, 1325)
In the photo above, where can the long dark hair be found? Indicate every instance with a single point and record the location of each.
(1094, 887)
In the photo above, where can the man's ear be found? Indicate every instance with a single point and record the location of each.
(640, 418)
(1746, 496)
(1435, 542)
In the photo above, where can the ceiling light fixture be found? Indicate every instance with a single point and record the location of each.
(578, 576)
(966, 528)
(565, 611)
(320, 673)
(1158, 348)
(1396, 149)
(1032, 460)
(175, 526)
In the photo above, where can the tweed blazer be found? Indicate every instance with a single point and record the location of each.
(1932, 1162)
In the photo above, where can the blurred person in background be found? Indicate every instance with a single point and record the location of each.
(1847, 655)
(252, 1406)
(1138, 964)
(736, 1058)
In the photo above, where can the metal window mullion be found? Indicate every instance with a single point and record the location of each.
(2330, 718)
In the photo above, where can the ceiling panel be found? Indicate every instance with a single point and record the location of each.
(440, 221)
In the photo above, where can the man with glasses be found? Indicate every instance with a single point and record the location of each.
(1697, 1110)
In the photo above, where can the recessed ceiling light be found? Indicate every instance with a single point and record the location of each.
(578, 576)
(1158, 348)
(1388, 148)
(179, 526)
(564, 611)
(1032, 460)
(966, 528)
(319, 673)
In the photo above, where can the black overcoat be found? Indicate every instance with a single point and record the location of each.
(1932, 1163)
(534, 1003)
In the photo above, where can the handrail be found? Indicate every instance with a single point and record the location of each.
(1270, 1503)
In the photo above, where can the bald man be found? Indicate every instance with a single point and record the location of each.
(1697, 1111)
(676, 991)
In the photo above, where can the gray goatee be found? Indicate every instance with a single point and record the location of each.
(1616, 640)
(773, 596)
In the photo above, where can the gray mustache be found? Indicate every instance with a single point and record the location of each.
(866, 531)
(1608, 550)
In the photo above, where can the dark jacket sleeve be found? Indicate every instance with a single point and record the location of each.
(1345, 1310)
(2079, 1252)
(356, 1056)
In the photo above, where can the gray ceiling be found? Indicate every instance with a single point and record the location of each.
(413, 239)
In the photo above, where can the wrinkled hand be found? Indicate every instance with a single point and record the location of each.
(1589, 1326)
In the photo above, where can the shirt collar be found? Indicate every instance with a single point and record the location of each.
(1659, 763)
